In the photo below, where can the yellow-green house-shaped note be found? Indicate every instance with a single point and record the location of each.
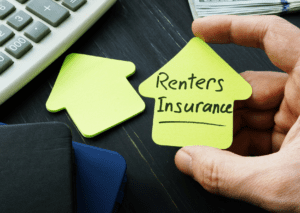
(95, 92)
(194, 95)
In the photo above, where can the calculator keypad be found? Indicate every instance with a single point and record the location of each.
(18, 47)
(73, 4)
(37, 31)
(52, 12)
(49, 11)
(5, 62)
(5, 34)
(6, 8)
(19, 20)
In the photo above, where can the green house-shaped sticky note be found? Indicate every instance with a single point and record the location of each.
(95, 92)
(194, 95)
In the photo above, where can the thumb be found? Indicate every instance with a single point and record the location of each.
(225, 173)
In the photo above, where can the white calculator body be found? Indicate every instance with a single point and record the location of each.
(33, 33)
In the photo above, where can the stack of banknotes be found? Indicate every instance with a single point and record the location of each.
(202, 8)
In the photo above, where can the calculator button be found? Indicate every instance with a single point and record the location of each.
(5, 62)
(5, 34)
(49, 11)
(6, 8)
(73, 4)
(19, 20)
(18, 47)
(22, 1)
(37, 31)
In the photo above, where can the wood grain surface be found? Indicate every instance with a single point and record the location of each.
(148, 33)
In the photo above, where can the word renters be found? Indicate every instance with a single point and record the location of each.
(163, 80)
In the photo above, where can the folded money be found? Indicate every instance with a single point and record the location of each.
(202, 8)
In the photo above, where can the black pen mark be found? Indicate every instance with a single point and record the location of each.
(190, 122)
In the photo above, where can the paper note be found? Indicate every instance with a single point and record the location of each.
(194, 95)
(95, 92)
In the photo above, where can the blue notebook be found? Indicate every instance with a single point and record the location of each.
(100, 178)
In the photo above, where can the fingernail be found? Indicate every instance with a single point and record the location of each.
(184, 162)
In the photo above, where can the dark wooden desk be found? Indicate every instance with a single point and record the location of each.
(148, 33)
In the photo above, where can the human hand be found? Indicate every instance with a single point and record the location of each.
(266, 124)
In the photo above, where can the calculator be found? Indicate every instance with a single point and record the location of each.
(33, 33)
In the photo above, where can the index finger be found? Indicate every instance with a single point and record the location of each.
(276, 36)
